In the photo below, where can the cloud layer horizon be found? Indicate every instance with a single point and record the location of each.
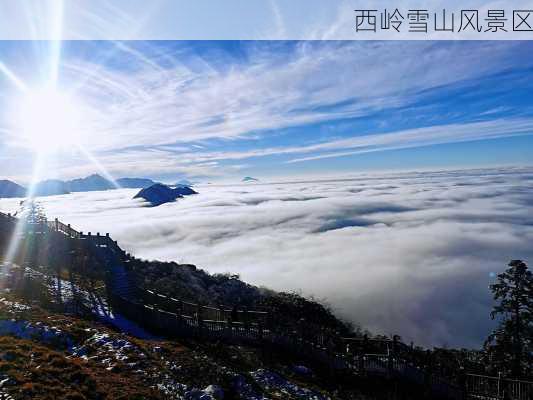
(410, 254)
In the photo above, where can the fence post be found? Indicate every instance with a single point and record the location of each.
(463, 384)
(429, 372)
(199, 318)
(361, 363)
(363, 348)
(229, 325)
(505, 387)
(180, 308)
(260, 330)
(390, 362)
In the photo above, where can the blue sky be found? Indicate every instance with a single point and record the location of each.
(225, 109)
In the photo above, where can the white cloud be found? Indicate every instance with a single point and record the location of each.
(403, 253)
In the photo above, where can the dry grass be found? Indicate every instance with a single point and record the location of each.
(37, 372)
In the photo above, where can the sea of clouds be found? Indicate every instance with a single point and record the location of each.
(409, 253)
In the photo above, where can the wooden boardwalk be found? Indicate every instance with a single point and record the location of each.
(177, 318)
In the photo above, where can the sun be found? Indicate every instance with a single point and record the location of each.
(47, 120)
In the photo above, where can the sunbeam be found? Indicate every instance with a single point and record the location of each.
(99, 167)
(45, 119)
(14, 79)
(55, 44)
(15, 239)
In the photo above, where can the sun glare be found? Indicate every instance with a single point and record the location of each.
(47, 121)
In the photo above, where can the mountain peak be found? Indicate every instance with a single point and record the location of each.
(159, 194)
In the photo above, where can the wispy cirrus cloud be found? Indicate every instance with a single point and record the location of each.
(144, 99)
(198, 99)
(420, 137)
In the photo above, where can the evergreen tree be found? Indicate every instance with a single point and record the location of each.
(32, 212)
(510, 346)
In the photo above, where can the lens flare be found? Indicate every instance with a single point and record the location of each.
(47, 121)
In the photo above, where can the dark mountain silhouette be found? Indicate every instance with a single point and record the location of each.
(51, 187)
(249, 179)
(135, 183)
(11, 189)
(89, 184)
(160, 194)
(185, 190)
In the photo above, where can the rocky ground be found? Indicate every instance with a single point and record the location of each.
(44, 355)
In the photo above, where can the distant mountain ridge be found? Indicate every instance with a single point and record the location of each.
(90, 183)
(9, 189)
(52, 187)
(135, 183)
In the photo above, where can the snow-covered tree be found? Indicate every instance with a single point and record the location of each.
(32, 212)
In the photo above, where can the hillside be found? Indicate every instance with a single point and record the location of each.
(48, 354)
(195, 285)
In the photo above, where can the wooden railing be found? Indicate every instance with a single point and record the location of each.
(206, 313)
(188, 323)
(498, 388)
(66, 229)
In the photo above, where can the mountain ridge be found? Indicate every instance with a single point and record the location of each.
(10, 189)
(90, 183)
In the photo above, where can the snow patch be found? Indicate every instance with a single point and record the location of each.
(36, 331)
(108, 350)
(272, 382)
(13, 306)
